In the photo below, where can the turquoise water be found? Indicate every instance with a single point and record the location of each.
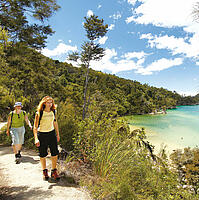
(179, 128)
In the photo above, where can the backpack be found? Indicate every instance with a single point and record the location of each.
(24, 113)
(41, 114)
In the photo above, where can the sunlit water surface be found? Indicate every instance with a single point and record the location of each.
(179, 128)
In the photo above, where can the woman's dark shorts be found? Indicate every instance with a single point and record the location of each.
(47, 139)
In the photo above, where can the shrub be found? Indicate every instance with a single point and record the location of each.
(68, 124)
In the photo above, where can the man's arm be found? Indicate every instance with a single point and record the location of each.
(8, 125)
(28, 122)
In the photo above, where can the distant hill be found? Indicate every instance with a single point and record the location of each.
(29, 75)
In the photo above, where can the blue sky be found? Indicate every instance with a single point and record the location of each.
(150, 41)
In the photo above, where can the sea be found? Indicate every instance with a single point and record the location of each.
(177, 129)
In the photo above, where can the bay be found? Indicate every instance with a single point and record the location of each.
(177, 129)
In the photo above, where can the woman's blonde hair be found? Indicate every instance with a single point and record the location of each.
(41, 105)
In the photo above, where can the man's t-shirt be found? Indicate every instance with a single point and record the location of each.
(17, 119)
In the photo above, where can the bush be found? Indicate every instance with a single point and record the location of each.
(68, 124)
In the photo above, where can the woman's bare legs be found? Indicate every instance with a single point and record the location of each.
(43, 162)
(54, 162)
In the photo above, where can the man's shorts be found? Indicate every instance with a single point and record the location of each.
(17, 135)
(47, 139)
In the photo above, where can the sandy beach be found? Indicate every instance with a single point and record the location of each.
(157, 142)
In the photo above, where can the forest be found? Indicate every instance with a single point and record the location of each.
(123, 164)
(27, 76)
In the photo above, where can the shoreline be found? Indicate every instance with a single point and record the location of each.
(151, 136)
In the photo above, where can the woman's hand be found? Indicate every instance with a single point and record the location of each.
(58, 138)
(37, 143)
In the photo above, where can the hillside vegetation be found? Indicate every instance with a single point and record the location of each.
(28, 76)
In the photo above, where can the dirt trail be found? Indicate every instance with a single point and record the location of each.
(24, 181)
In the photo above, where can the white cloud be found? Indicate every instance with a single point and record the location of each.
(69, 41)
(163, 13)
(111, 62)
(59, 50)
(102, 40)
(138, 55)
(111, 27)
(169, 14)
(189, 47)
(188, 93)
(130, 61)
(132, 2)
(89, 13)
(106, 64)
(160, 65)
(116, 16)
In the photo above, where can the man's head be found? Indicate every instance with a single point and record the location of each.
(18, 105)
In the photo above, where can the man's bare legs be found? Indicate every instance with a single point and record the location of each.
(16, 148)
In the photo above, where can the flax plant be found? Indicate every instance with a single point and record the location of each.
(111, 155)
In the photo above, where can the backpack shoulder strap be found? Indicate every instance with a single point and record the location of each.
(11, 118)
(40, 116)
(54, 111)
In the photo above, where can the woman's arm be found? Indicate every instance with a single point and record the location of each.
(8, 125)
(35, 130)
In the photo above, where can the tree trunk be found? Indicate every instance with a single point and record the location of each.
(85, 93)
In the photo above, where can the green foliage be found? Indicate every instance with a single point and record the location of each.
(91, 51)
(123, 163)
(13, 15)
(187, 165)
(4, 139)
(67, 120)
(94, 27)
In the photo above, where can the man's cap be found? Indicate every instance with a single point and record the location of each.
(18, 104)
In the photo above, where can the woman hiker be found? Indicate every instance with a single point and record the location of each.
(15, 127)
(46, 134)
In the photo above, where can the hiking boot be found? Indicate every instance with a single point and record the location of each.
(45, 174)
(54, 175)
(19, 154)
(17, 159)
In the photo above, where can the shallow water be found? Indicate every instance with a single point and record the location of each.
(179, 128)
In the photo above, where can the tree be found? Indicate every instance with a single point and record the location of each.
(91, 50)
(3, 45)
(14, 18)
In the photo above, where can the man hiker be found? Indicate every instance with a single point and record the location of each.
(15, 128)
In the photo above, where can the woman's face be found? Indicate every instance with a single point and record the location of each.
(49, 103)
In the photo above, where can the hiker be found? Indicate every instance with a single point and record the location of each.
(15, 127)
(46, 134)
